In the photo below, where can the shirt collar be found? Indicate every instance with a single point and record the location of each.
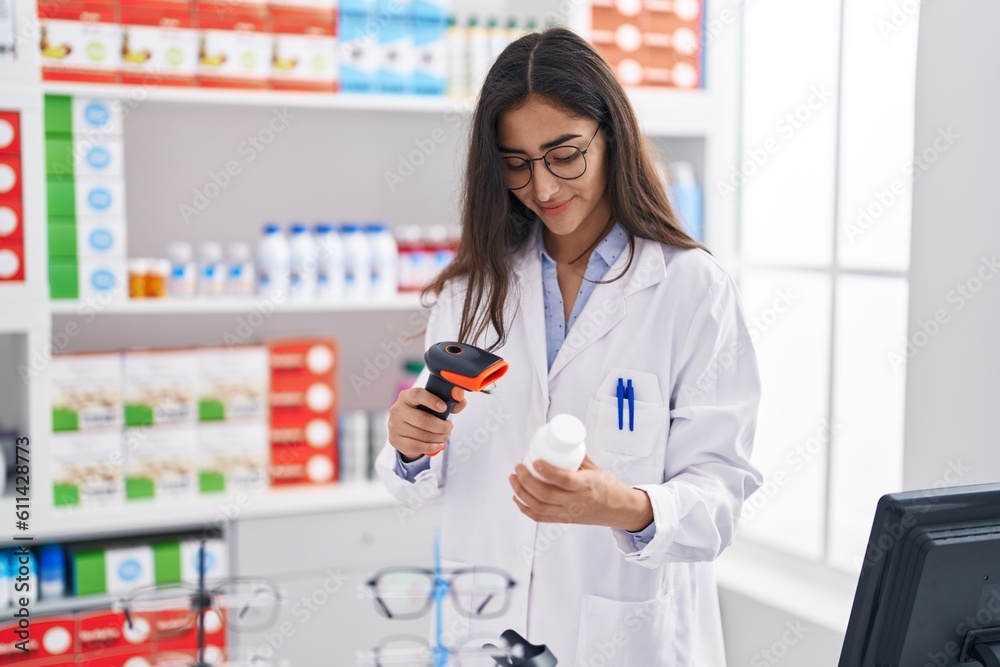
(608, 250)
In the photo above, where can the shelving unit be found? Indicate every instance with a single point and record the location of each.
(402, 303)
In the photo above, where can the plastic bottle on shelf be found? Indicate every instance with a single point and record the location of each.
(240, 279)
(6, 580)
(479, 55)
(157, 278)
(52, 572)
(385, 261)
(273, 259)
(439, 251)
(330, 270)
(458, 59)
(303, 252)
(688, 200)
(410, 258)
(560, 443)
(357, 263)
(183, 280)
(212, 270)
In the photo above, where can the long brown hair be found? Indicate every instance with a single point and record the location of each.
(561, 67)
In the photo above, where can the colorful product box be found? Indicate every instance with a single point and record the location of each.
(80, 40)
(87, 469)
(10, 176)
(654, 43)
(100, 196)
(102, 281)
(161, 463)
(161, 387)
(430, 26)
(98, 238)
(107, 637)
(92, 118)
(304, 394)
(233, 456)
(12, 261)
(113, 571)
(10, 132)
(66, 155)
(359, 46)
(396, 47)
(232, 383)
(216, 560)
(11, 220)
(236, 47)
(160, 43)
(305, 47)
(86, 392)
(51, 641)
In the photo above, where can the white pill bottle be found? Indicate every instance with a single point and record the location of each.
(560, 443)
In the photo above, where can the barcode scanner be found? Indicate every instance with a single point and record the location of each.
(453, 365)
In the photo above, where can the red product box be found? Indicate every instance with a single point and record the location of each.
(52, 641)
(236, 45)
(10, 177)
(11, 220)
(305, 48)
(12, 261)
(303, 400)
(81, 40)
(159, 42)
(107, 635)
(10, 132)
(178, 639)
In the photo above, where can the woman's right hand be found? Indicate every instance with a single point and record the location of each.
(415, 433)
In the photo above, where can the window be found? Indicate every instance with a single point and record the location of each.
(823, 254)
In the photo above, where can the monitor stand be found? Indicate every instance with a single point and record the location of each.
(982, 646)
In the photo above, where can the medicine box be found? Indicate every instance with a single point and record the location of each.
(160, 43)
(87, 468)
(161, 387)
(430, 25)
(80, 40)
(99, 196)
(52, 642)
(303, 403)
(92, 118)
(161, 462)
(11, 219)
(216, 560)
(358, 42)
(86, 391)
(232, 382)
(233, 456)
(107, 637)
(396, 47)
(236, 44)
(102, 281)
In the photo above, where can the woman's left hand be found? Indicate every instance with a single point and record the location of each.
(590, 495)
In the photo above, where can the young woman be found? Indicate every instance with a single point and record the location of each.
(574, 269)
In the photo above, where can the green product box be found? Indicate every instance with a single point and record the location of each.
(89, 571)
(64, 278)
(59, 156)
(61, 195)
(62, 238)
(58, 114)
(167, 562)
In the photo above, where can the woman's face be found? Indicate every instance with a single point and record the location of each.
(571, 208)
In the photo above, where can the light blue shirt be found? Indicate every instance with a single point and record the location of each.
(556, 327)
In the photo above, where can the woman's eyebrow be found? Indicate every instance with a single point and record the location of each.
(551, 144)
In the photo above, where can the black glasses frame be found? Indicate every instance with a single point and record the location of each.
(548, 165)
(445, 579)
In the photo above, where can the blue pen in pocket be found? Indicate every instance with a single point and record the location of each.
(621, 403)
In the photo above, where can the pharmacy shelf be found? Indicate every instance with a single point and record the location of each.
(142, 94)
(662, 112)
(69, 605)
(135, 518)
(202, 306)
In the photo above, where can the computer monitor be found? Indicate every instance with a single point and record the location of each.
(929, 590)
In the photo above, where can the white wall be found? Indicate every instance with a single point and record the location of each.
(953, 380)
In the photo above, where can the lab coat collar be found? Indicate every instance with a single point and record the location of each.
(606, 306)
(604, 309)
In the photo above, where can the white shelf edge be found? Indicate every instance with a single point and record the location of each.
(139, 94)
(205, 512)
(200, 306)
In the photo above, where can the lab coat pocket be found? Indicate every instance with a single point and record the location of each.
(648, 422)
(626, 633)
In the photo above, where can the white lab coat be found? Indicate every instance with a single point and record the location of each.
(673, 324)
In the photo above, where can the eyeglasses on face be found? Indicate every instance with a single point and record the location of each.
(566, 162)
(407, 593)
